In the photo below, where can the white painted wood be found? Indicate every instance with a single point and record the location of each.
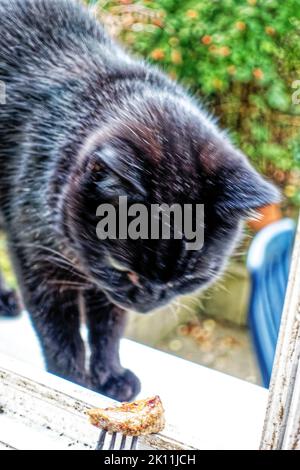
(40, 411)
(282, 423)
(205, 409)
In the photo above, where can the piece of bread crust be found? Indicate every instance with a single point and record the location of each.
(131, 419)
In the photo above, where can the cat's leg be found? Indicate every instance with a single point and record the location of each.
(106, 324)
(56, 319)
(9, 305)
(54, 311)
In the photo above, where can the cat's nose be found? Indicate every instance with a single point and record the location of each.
(151, 296)
(134, 278)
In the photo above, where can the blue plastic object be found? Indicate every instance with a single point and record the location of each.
(268, 263)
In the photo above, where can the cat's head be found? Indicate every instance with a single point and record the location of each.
(163, 151)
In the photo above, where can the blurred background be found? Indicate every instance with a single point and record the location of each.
(240, 58)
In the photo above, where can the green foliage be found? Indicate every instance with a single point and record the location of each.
(241, 56)
(5, 265)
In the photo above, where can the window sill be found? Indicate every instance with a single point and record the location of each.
(205, 409)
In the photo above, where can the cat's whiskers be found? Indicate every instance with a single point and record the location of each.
(65, 266)
(173, 310)
(45, 248)
(238, 254)
(177, 306)
(188, 309)
(76, 285)
(60, 259)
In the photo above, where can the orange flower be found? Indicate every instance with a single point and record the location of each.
(206, 40)
(193, 14)
(231, 69)
(224, 51)
(258, 74)
(158, 22)
(158, 54)
(279, 175)
(240, 25)
(176, 57)
(270, 30)
(252, 2)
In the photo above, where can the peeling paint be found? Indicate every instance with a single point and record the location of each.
(282, 423)
(55, 417)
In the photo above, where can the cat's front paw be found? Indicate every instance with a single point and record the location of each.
(123, 386)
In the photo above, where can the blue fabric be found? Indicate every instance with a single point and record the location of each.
(268, 263)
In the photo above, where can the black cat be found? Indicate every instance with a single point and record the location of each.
(84, 123)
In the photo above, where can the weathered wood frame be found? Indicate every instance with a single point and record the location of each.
(39, 411)
(40, 398)
(282, 423)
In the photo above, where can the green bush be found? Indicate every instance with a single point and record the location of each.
(240, 56)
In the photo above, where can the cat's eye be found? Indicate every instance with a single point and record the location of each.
(117, 265)
(132, 276)
(96, 167)
(122, 163)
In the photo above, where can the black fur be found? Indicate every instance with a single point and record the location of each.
(9, 306)
(84, 123)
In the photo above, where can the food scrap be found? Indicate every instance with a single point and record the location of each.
(131, 419)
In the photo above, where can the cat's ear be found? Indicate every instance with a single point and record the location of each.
(243, 189)
(117, 165)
